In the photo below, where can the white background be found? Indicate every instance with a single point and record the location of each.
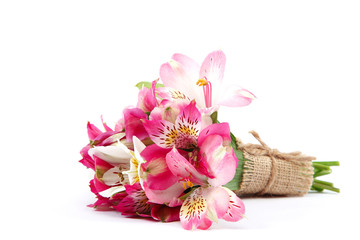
(63, 63)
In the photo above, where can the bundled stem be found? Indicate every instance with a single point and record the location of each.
(321, 169)
(263, 170)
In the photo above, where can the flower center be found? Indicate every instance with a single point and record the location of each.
(207, 89)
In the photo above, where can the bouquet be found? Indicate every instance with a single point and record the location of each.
(169, 158)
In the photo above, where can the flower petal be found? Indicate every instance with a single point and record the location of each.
(236, 208)
(87, 161)
(147, 99)
(113, 177)
(203, 206)
(111, 191)
(133, 123)
(213, 66)
(219, 160)
(212, 69)
(181, 73)
(136, 203)
(181, 168)
(188, 125)
(193, 211)
(160, 185)
(221, 129)
(218, 202)
(168, 110)
(169, 196)
(235, 96)
(93, 131)
(163, 133)
(114, 155)
(164, 213)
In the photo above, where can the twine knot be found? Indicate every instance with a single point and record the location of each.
(296, 158)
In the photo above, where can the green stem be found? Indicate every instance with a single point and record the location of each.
(321, 173)
(324, 182)
(320, 166)
(333, 163)
(324, 186)
(320, 169)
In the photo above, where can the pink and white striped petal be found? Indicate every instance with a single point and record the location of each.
(163, 133)
(236, 208)
(135, 203)
(188, 125)
(203, 206)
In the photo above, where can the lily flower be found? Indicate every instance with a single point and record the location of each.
(203, 83)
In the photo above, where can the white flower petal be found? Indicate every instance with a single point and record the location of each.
(114, 155)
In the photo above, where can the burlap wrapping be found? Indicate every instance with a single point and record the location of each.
(269, 172)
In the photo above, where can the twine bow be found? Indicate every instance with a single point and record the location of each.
(296, 158)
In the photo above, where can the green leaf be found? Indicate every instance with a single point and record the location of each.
(234, 184)
(214, 116)
(142, 84)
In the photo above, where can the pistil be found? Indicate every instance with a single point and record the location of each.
(207, 89)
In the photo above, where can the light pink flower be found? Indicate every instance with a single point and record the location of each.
(185, 75)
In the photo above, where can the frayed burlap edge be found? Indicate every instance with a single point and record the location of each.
(270, 172)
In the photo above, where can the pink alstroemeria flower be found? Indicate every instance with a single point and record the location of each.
(208, 163)
(185, 75)
(181, 134)
(215, 166)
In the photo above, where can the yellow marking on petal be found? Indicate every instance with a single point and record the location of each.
(188, 130)
(171, 137)
(184, 185)
(193, 207)
(202, 82)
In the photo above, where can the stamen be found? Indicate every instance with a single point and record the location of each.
(190, 184)
(207, 89)
(202, 82)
